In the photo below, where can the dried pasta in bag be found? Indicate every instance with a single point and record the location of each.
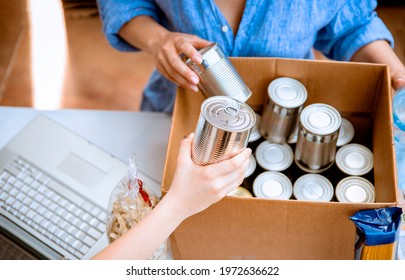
(130, 202)
(378, 233)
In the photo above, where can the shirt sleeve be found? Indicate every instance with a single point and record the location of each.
(355, 25)
(115, 13)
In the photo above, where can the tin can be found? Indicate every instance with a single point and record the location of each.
(318, 133)
(252, 166)
(274, 156)
(355, 159)
(313, 187)
(218, 76)
(250, 174)
(273, 185)
(355, 189)
(255, 133)
(223, 129)
(241, 192)
(346, 133)
(292, 139)
(284, 101)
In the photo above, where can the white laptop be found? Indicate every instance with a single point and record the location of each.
(55, 190)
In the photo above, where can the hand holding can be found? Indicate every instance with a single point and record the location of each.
(223, 129)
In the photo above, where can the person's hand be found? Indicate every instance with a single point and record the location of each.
(167, 51)
(398, 80)
(195, 188)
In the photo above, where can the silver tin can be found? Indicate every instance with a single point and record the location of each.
(318, 133)
(274, 156)
(346, 133)
(223, 129)
(252, 166)
(218, 76)
(255, 133)
(273, 185)
(284, 101)
(292, 139)
(241, 192)
(313, 187)
(355, 189)
(354, 159)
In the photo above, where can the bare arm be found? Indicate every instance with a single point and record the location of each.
(165, 46)
(194, 188)
(381, 52)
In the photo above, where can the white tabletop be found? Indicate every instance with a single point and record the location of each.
(119, 132)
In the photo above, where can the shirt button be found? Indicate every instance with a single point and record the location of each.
(225, 28)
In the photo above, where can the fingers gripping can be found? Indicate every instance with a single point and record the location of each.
(218, 77)
(318, 133)
(223, 129)
(284, 102)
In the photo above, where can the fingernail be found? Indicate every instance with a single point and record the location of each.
(194, 79)
(194, 88)
(198, 59)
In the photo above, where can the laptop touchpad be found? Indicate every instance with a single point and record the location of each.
(81, 170)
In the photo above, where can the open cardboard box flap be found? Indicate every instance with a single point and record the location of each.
(253, 228)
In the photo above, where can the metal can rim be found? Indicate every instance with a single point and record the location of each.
(346, 133)
(290, 103)
(239, 107)
(363, 188)
(360, 155)
(313, 113)
(255, 132)
(324, 183)
(252, 166)
(240, 192)
(281, 184)
(203, 51)
(283, 148)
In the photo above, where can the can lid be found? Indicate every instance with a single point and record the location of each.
(274, 156)
(252, 166)
(355, 189)
(287, 92)
(240, 191)
(211, 55)
(255, 132)
(354, 159)
(313, 187)
(346, 133)
(320, 119)
(228, 113)
(272, 184)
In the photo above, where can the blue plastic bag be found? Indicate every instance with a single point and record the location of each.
(378, 233)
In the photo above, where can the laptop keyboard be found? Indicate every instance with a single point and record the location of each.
(48, 210)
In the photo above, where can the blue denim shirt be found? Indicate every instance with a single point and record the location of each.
(288, 28)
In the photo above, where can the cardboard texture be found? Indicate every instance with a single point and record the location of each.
(254, 228)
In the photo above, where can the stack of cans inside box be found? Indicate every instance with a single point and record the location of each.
(301, 152)
(305, 152)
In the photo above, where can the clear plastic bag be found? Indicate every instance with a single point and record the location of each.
(130, 202)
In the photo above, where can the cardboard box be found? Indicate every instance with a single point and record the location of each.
(253, 228)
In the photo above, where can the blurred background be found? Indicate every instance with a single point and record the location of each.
(54, 55)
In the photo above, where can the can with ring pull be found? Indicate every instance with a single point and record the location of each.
(223, 129)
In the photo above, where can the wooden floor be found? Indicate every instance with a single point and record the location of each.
(96, 75)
